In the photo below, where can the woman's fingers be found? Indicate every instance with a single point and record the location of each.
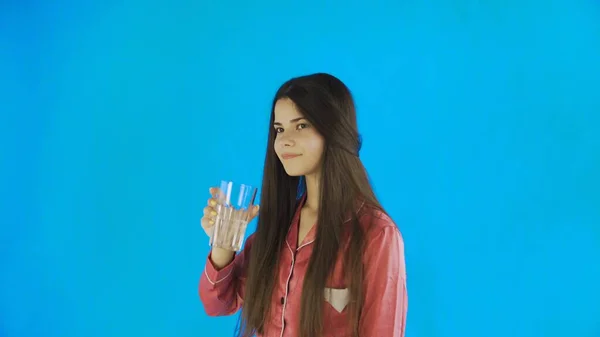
(208, 220)
(254, 211)
(207, 226)
(210, 212)
(216, 194)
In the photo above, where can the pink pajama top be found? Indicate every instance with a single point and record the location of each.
(385, 297)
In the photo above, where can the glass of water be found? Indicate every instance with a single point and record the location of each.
(234, 206)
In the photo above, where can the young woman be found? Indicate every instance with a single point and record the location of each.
(325, 259)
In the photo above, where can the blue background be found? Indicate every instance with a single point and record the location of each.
(481, 127)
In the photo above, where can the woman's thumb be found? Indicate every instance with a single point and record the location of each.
(255, 210)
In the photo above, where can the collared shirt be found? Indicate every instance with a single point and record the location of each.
(385, 298)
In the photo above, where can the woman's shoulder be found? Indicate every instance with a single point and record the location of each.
(371, 215)
(382, 236)
(375, 220)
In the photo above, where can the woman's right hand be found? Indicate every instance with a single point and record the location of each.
(210, 212)
(220, 257)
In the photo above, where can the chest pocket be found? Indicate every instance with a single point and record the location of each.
(337, 298)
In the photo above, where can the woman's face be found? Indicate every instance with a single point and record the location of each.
(298, 145)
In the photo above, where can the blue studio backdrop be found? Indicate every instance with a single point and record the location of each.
(481, 128)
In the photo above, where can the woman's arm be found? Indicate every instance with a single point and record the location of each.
(386, 300)
(221, 284)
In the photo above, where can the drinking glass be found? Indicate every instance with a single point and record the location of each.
(234, 206)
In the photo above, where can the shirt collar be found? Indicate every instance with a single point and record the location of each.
(292, 236)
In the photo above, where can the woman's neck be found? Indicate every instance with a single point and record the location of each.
(313, 191)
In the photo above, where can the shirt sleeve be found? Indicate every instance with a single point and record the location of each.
(386, 300)
(221, 291)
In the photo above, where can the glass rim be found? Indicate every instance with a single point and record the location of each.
(238, 184)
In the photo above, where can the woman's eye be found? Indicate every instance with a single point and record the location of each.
(278, 130)
(302, 126)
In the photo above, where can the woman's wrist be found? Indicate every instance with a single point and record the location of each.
(220, 257)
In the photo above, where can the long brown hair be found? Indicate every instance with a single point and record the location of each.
(328, 104)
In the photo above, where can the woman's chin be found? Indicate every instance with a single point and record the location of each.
(294, 172)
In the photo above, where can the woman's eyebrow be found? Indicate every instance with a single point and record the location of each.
(291, 120)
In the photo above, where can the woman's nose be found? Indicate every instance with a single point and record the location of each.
(285, 141)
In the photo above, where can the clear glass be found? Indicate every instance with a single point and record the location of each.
(234, 203)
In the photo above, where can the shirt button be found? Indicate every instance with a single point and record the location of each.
(282, 300)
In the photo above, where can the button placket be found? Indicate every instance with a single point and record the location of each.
(287, 288)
